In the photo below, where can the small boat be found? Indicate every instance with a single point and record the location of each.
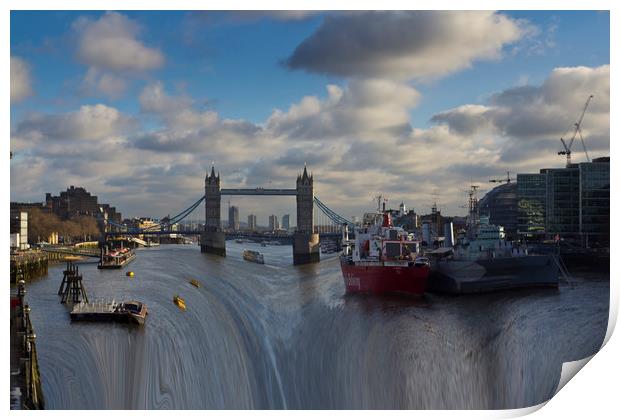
(129, 274)
(194, 283)
(178, 300)
(253, 256)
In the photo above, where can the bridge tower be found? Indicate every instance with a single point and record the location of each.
(306, 243)
(213, 240)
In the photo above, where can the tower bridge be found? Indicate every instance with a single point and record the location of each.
(306, 242)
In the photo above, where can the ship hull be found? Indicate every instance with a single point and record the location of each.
(462, 277)
(381, 279)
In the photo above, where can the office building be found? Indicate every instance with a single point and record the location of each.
(233, 218)
(252, 222)
(286, 224)
(273, 223)
(576, 203)
(531, 205)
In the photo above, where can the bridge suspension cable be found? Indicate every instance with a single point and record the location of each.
(170, 221)
(332, 215)
(328, 213)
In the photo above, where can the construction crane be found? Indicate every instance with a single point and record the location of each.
(567, 148)
(501, 181)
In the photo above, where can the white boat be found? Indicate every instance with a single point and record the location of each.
(253, 256)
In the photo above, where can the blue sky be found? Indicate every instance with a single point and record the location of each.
(249, 69)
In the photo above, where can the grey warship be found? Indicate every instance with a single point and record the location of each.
(482, 260)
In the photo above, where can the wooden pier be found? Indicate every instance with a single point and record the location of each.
(71, 288)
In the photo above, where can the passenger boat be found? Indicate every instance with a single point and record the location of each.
(178, 300)
(117, 258)
(129, 311)
(194, 283)
(253, 256)
(383, 259)
(329, 247)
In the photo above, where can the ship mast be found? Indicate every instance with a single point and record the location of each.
(474, 217)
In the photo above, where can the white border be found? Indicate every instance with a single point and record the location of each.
(593, 394)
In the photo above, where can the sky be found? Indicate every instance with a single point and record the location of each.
(136, 106)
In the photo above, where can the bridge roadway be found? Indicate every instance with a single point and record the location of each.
(258, 191)
(229, 235)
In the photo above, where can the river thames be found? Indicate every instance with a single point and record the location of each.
(280, 336)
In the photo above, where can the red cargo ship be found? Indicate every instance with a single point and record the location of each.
(383, 259)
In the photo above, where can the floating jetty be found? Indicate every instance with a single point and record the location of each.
(130, 311)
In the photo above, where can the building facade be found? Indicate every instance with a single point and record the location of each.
(252, 223)
(76, 201)
(572, 201)
(233, 218)
(286, 222)
(273, 223)
(531, 205)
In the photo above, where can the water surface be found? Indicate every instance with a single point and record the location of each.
(279, 336)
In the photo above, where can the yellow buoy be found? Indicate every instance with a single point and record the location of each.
(129, 274)
(179, 302)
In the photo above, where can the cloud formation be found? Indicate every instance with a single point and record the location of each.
(357, 139)
(535, 117)
(20, 80)
(111, 49)
(365, 107)
(405, 45)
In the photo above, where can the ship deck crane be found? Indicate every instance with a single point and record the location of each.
(567, 147)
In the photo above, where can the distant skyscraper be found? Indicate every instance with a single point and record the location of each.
(252, 222)
(273, 222)
(286, 224)
(233, 217)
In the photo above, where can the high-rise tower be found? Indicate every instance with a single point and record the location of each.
(212, 240)
(305, 241)
(305, 202)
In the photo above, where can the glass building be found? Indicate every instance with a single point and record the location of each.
(233, 218)
(572, 203)
(500, 204)
(594, 202)
(531, 205)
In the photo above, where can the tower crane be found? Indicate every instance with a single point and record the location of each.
(500, 181)
(567, 148)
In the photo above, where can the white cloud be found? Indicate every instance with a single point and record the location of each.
(111, 43)
(20, 80)
(111, 49)
(108, 84)
(365, 107)
(89, 123)
(357, 140)
(533, 118)
(405, 45)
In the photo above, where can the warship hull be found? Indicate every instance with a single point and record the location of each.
(463, 277)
